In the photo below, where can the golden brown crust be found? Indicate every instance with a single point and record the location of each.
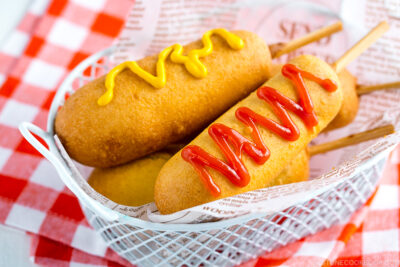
(142, 119)
(275, 69)
(131, 184)
(178, 186)
(349, 108)
(297, 171)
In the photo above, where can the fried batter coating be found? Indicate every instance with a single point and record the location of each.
(141, 119)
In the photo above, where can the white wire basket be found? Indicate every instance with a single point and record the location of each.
(223, 243)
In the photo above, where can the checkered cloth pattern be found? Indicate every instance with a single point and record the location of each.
(51, 40)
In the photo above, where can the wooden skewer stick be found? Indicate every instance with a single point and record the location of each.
(352, 139)
(280, 49)
(365, 89)
(360, 46)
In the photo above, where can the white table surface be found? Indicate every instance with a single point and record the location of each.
(14, 247)
(14, 244)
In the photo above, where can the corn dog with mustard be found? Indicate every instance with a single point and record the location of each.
(139, 119)
(213, 167)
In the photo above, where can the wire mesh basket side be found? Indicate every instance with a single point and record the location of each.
(240, 242)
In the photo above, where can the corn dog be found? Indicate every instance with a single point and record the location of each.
(298, 170)
(132, 118)
(130, 184)
(179, 185)
(349, 108)
(350, 89)
(351, 94)
(141, 119)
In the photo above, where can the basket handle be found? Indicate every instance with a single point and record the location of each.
(26, 130)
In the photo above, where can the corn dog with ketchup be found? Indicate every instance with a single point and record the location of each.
(130, 113)
(231, 144)
(351, 90)
(349, 108)
(351, 94)
(132, 184)
(214, 166)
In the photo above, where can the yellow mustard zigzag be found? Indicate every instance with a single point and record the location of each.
(192, 63)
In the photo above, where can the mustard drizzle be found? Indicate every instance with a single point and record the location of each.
(192, 63)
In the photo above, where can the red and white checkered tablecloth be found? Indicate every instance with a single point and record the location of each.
(49, 42)
(53, 37)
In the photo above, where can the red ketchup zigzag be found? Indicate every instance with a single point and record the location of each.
(233, 144)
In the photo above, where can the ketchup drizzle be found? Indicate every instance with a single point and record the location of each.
(233, 144)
